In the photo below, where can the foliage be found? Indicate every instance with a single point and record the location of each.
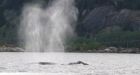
(119, 39)
(83, 44)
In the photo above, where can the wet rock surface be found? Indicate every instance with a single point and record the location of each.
(11, 49)
(117, 50)
(103, 50)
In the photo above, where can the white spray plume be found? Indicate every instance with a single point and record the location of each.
(47, 29)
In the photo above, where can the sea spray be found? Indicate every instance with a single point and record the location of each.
(30, 28)
(46, 29)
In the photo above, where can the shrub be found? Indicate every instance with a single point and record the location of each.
(83, 44)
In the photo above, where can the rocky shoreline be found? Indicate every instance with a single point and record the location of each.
(116, 50)
(11, 49)
(103, 50)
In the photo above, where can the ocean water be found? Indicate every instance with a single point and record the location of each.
(98, 63)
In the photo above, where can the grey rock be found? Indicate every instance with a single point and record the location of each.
(111, 49)
(11, 49)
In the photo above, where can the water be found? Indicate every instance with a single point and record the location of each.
(45, 29)
(99, 64)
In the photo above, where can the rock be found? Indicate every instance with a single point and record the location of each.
(122, 50)
(137, 50)
(11, 49)
(78, 62)
(95, 20)
(114, 49)
(129, 50)
(101, 51)
(119, 50)
(104, 17)
(91, 50)
(17, 49)
(107, 50)
(111, 50)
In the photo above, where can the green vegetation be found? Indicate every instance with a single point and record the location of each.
(120, 39)
(105, 39)
(83, 44)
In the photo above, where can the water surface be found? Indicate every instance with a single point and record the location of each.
(99, 63)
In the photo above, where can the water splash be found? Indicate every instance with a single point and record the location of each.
(46, 29)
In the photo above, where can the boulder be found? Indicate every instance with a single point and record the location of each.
(111, 50)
